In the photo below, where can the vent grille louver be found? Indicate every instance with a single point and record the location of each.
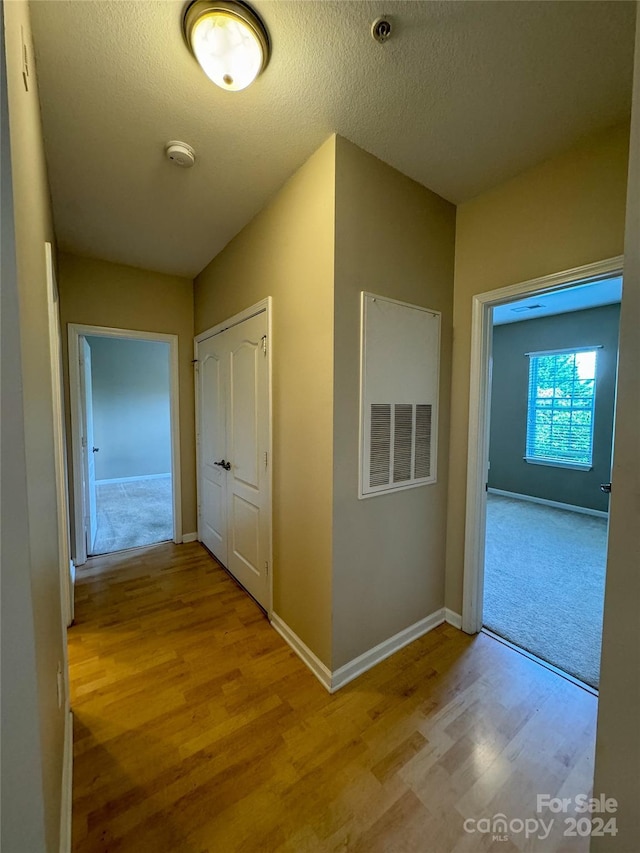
(423, 441)
(380, 444)
(402, 441)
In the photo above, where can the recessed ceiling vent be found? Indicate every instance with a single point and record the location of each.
(522, 308)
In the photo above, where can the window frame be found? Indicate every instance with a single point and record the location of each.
(533, 459)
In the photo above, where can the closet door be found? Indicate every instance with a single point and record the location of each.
(212, 498)
(248, 521)
(235, 509)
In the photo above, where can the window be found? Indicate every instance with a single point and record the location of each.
(561, 407)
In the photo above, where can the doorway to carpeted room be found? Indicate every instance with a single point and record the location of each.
(127, 398)
(552, 401)
(133, 513)
(544, 582)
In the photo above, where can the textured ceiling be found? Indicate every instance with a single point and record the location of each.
(463, 96)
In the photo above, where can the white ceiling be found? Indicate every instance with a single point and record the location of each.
(462, 97)
(577, 298)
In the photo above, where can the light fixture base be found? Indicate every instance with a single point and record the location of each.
(381, 29)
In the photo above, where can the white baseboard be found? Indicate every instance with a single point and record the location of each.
(333, 681)
(321, 672)
(189, 537)
(344, 674)
(67, 785)
(585, 510)
(133, 479)
(453, 618)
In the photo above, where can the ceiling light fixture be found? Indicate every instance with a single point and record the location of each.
(229, 41)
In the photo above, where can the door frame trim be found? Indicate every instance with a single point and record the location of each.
(66, 566)
(264, 305)
(75, 332)
(479, 413)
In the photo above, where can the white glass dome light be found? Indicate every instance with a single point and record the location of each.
(229, 41)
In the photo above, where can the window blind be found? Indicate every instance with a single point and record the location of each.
(560, 412)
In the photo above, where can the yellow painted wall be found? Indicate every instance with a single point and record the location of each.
(286, 252)
(564, 213)
(394, 238)
(99, 293)
(32, 823)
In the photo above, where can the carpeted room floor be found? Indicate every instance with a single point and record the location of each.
(544, 582)
(134, 513)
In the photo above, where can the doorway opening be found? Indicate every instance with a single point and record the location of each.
(542, 404)
(125, 439)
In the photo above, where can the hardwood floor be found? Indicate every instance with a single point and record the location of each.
(197, 729)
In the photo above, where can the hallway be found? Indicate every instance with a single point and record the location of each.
(197, 729)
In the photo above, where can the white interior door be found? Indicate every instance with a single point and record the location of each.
(234, 440)
(247, 443)
(212, 376)
(89, 464)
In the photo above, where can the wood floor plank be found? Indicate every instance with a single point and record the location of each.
(197, 729)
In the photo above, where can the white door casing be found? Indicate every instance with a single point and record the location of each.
(234, 429)
(76, 335)
(89, 462)
(67, 569)
(479, 410)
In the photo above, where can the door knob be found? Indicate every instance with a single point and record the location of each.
(223, 464)
(605, 487)
(95, 449)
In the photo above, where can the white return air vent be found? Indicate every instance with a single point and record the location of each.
(400, 366)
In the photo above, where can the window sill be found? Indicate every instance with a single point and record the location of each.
(551, 463)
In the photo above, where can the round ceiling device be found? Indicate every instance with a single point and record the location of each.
(180, 153)
(381, 29)
(229, 41)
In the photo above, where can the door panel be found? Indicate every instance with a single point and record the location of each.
(246, 533)
(235, 521)
(243, 433)
(213, 497)
(248, 433)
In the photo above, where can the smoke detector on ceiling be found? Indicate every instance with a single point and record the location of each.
(180, 153)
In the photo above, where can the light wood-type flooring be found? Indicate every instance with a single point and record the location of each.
(196, 729)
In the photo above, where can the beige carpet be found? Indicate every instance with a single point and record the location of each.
(544, 582)
(139, 512)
